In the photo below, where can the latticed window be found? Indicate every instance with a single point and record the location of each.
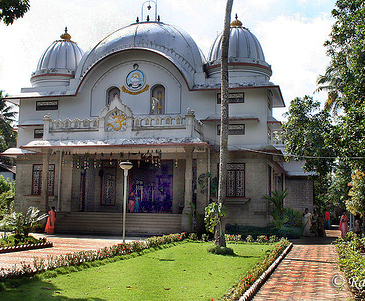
(236, 180)
(37, 179)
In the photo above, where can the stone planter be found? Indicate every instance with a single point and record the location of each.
(26, 247)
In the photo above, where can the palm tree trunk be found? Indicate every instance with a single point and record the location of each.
(220, 239)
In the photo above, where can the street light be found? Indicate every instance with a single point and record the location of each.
(126, 166)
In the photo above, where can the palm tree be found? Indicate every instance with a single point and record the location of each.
(7, 117)
(332, 83)
(223, 155)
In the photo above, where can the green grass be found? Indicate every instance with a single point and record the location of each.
(186, 271)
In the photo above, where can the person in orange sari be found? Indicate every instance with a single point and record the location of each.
(344, 224)
(50, 221)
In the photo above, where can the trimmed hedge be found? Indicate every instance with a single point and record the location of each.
(244, 231)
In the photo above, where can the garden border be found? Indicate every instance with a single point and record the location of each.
(26, 247)
(249, 294)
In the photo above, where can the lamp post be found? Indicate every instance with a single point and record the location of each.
(126, 166)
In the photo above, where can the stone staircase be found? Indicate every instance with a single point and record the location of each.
(100, 223)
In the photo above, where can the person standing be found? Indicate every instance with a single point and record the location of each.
(344, 224)
(51, 221)
(327, 222)
(307, 222)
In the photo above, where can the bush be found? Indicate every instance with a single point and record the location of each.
(244, 231)
(352, 262)
(221, 250)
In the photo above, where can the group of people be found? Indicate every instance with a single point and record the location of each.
(316, 223)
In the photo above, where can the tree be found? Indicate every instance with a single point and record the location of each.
(223, 154)
(332, 83)
(7, 117)
(10, 10)
(356, 203)
(309, 134)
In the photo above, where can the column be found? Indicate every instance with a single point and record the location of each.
(188, 198)
(45, 176)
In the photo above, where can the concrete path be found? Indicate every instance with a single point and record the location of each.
(62, 244)
(306, 273)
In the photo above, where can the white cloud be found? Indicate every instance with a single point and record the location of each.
(294, 48)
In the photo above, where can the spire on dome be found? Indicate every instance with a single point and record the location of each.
(146, 6)
(236, 23)
(65, 36)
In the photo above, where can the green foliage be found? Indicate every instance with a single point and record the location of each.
(218, 250)
(15, 240)
(356, 203)
(277, 198)
(352, 262)
(214, 213)
(254, 273)
(23, 224)
(252, 232)
(308, 134)
(183, 272)
(10, 10)
(7, 194)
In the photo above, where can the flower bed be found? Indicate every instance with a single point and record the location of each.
(78, 258)
(254, 278)
(26, 247)
(352, 262)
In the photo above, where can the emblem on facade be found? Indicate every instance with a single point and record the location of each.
(116, 121)
(135, 82)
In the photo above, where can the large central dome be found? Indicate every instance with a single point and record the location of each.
(167, 40)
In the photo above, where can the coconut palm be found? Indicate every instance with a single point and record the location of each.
(7, 118)
(332, 83)
(223, 155)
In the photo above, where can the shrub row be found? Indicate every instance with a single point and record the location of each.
(252, 275)
(244, 231)
(351, 260)
(77, 258)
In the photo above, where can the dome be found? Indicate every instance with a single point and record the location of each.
(244, 48)
(60, 59)
(169, 41)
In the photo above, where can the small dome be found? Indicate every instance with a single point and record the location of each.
(244, 47)
(171, 42)
(61, 58)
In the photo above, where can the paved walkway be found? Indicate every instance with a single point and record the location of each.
(62, 244)
(306, 273)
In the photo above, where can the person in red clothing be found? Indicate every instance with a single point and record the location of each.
(327, 222)
(50, 221)
(344, 224)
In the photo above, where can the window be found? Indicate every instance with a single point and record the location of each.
(38, 133)
(158, 100)
(233, 129)
(46, 105)
(236, 180)
(111, 93)
(233, 98)
(37, 179)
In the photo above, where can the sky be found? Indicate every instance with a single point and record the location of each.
(291, 33)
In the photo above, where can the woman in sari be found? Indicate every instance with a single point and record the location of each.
(307, 217)
(50, 221)
(344, 224)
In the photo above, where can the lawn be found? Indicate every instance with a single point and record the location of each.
(183, 272)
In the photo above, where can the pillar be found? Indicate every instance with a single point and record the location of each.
(45, 176)
(188, 198)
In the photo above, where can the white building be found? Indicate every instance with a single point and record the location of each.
(146, 94)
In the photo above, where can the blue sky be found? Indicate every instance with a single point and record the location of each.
(291, 33)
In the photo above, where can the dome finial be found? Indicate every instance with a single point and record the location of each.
(236, 23)
(65, 36)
